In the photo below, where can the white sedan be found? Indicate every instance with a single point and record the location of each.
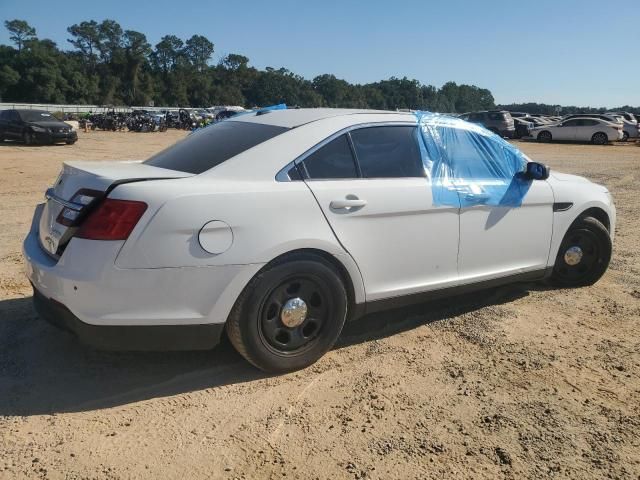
(593, 130)
(281, 225)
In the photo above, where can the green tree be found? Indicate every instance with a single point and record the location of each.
(199, 50)
(20, 32)
(86, 38)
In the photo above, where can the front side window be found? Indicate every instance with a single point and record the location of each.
(388, 152)
(331, 161)
(213, 145)
(571, 123)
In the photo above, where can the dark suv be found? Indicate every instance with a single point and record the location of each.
(499, 122)
(34, 126)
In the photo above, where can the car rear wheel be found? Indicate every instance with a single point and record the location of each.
(544, 137)
(584, 254)
(599, 138)
(289, 315)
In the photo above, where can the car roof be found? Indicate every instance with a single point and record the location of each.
(292, 118)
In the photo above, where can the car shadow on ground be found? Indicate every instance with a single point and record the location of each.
(44, 370)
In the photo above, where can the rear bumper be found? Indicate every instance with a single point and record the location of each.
(117, 308)
(128, 337)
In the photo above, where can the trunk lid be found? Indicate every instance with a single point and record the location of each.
(79, 187)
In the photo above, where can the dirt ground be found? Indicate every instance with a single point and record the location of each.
(516, 382)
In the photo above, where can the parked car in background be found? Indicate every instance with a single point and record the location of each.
(279, 226)
(523, 127)
(630, 117)
(536, 121)
(35, 126)
(629, 127)
(593, 130)
(499, 122)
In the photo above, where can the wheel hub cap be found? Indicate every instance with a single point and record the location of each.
(573, 255)
(294, 312)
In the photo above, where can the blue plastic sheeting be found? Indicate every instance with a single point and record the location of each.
(469, 165)
(280, 106)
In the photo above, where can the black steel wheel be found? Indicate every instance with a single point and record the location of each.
(599, 138)
(293, 314)
(584, 254)
(290, 314)
(544, 136)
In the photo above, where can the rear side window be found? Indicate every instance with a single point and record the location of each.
(497, 116)
(333, 160)
(213, 145)
(388, 152)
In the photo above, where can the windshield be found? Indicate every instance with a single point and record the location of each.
(213, 145)
(36, 116)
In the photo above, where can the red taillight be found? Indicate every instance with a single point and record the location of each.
(112, 220)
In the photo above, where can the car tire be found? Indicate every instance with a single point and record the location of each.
(599, 138)
(264, 325)
(27, 138)
(625, 136)
(584, 254)
(70, 142)
(544, 137)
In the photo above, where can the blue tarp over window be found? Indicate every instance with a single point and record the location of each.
(469, 165)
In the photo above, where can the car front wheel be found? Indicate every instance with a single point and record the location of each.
(290, 314)
(584, 254)
(625, 136)
(28, 138)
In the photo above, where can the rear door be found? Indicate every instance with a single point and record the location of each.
(585, 129)
(373, 190)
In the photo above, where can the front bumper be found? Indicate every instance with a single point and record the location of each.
(55, 137)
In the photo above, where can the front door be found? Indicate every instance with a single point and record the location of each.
(497, 241)
(380, 207)
(566, 131)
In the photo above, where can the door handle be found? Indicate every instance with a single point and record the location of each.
(351, 202)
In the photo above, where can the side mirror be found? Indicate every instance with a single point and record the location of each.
(537, 171)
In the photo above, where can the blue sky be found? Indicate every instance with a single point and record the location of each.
(570, 52)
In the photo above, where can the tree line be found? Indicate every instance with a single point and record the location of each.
(107, 65)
